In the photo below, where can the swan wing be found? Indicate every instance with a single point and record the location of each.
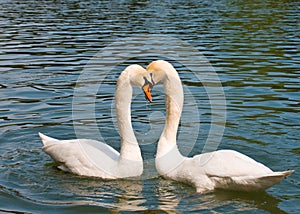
(229, 169)
(82, 156)
(230, 163)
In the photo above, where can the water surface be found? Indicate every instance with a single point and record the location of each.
(45, 45)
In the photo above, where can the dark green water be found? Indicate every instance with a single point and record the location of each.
(45, 46)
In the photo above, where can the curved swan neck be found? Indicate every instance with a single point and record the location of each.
(174, 103)
(129, 146)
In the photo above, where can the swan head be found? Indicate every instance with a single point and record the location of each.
(158, 70)
(163, 71)
(139, 77)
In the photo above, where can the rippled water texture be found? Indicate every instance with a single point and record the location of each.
(44, 47)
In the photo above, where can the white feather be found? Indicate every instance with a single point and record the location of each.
(224, 169)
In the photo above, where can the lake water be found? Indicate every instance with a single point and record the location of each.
(46, 46)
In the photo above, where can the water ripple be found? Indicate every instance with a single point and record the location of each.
(45, 45)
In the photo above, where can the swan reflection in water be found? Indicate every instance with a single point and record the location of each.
(172, 193)
(116, 195)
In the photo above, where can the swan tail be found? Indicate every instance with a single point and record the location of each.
(272, 179)
(251, 183)
(47, 141)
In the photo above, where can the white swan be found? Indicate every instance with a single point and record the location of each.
(223, 169)
(93, 158)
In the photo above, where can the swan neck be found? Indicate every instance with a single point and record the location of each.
(129, 146)
(174, 103)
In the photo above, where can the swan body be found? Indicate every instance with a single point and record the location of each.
(75, 156)
(93, 158)
(223, 169)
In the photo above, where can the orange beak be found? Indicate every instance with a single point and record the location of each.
(147, 91)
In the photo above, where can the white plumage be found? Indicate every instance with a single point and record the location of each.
(223, 169)
(93, 158)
